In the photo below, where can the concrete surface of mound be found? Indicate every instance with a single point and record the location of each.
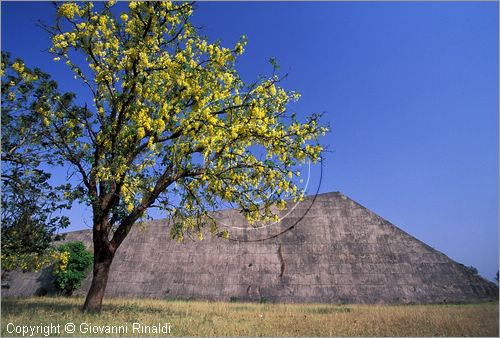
(328, 249)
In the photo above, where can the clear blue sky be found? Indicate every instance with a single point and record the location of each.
(409, 89)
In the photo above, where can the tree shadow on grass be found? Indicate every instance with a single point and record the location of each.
(19, 306)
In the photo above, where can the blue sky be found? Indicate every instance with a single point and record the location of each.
(410, 91)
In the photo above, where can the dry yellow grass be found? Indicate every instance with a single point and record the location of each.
(199, 318)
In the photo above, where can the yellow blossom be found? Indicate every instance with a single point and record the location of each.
(18, 66)
(272, 90)
(141, 133)
(68, 10)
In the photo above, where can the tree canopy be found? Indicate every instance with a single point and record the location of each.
(30, 204)
(169, 107)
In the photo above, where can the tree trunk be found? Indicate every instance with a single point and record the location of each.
(103, 258)
(104, 252)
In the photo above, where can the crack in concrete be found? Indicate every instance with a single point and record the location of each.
(282, 260)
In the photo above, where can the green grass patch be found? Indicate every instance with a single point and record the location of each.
(321, 310)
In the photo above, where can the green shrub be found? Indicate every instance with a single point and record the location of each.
(472, 270)
(74, 263)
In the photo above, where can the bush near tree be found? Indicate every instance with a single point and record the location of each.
(74, 263)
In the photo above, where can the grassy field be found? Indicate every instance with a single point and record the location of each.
(199, 318)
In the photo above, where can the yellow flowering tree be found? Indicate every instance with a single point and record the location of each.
(171, 125)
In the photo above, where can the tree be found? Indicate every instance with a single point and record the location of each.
(171, 125)
(72, 267)
(30, 205)
(472, 270)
